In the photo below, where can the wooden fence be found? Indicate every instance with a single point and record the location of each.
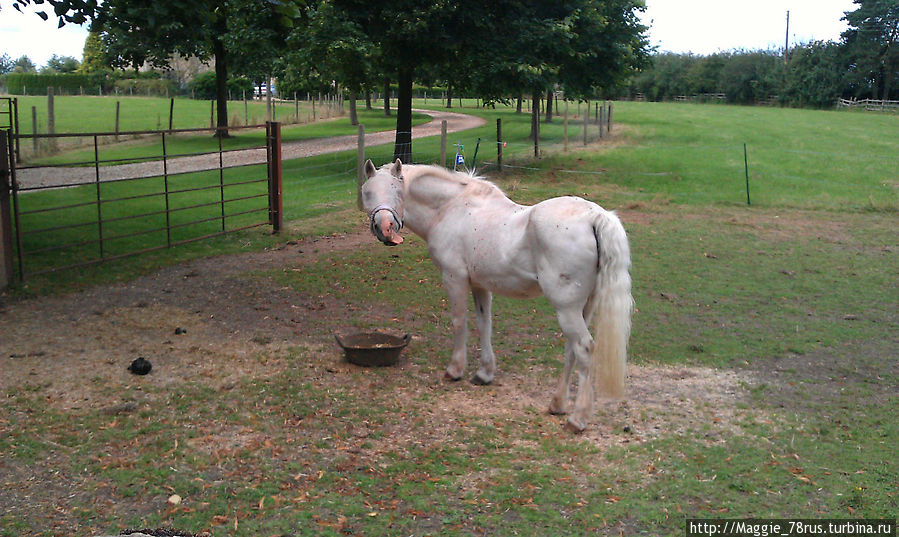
(871, 105)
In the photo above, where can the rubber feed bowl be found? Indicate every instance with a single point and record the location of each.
(372, 348)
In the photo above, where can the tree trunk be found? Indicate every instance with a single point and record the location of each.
(354, 119)
(518, 106)
(221, 87)
(549, 106)
(403, 147)
(368, 100)
(535, 114)
(449, 95)
(386, 96)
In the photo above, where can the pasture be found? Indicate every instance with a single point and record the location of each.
(763, 369)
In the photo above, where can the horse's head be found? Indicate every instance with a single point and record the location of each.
(382, 199)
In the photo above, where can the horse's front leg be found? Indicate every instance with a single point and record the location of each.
(483, 302)
(457, 291)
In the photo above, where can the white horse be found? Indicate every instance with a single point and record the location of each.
(569, 249)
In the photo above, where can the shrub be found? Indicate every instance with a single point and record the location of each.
(203, 86)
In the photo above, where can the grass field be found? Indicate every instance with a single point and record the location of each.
(763, 379)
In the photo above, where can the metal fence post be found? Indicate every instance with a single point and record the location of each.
(273, 143)
(6, 252)
(16, 131)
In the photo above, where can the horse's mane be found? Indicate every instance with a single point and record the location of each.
(474, 184)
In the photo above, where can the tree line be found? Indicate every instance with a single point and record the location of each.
(863, 64)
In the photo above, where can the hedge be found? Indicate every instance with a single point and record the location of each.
(64, 83)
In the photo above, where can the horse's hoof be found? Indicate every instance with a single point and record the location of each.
(574, 429)
(556, 411)
(478, 381)
(447, 376)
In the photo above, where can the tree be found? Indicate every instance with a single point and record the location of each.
(94, 58)
(137, 32)
(873, 39)
(409, 35)
(498, 48)
(335, 44)
(6, 64)
(61, 64)
(815, 75)
(24, 65)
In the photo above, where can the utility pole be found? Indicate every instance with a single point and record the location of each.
(787, 39)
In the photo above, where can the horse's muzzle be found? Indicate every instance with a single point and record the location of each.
(385, 226)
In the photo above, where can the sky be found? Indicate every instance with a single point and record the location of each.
(705, 27)
(697, 26)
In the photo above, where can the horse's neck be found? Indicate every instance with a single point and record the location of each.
(426, 193)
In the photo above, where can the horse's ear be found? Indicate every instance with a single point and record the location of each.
(369, 169)
(398, 169)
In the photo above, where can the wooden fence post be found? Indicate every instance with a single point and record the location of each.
(443, 142)
(499, 144)
(117, 103)
(360, 165)
(275, 207)
(586, 120)
(51, 120)
(601, 119)
(34, 141)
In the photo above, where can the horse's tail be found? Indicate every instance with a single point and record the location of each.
(613, 305)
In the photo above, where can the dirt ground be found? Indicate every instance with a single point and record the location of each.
(210, 320)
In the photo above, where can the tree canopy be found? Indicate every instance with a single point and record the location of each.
(493, 49)
(134, 32)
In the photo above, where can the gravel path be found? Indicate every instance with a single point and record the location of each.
(64, 176)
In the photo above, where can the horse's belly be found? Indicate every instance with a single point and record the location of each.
(506, 271)
(509, 284)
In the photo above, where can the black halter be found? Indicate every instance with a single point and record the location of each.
(376, 210)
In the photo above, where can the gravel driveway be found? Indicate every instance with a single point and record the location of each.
(62, 176)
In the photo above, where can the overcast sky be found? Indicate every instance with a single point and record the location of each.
(698, 26)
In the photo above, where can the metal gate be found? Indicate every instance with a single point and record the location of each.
(83, 209)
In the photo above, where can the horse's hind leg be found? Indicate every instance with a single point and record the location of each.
(559, 403)
(483, 302)
(573, 325)
(457, 292)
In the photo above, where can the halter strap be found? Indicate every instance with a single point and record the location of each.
(396, 215)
